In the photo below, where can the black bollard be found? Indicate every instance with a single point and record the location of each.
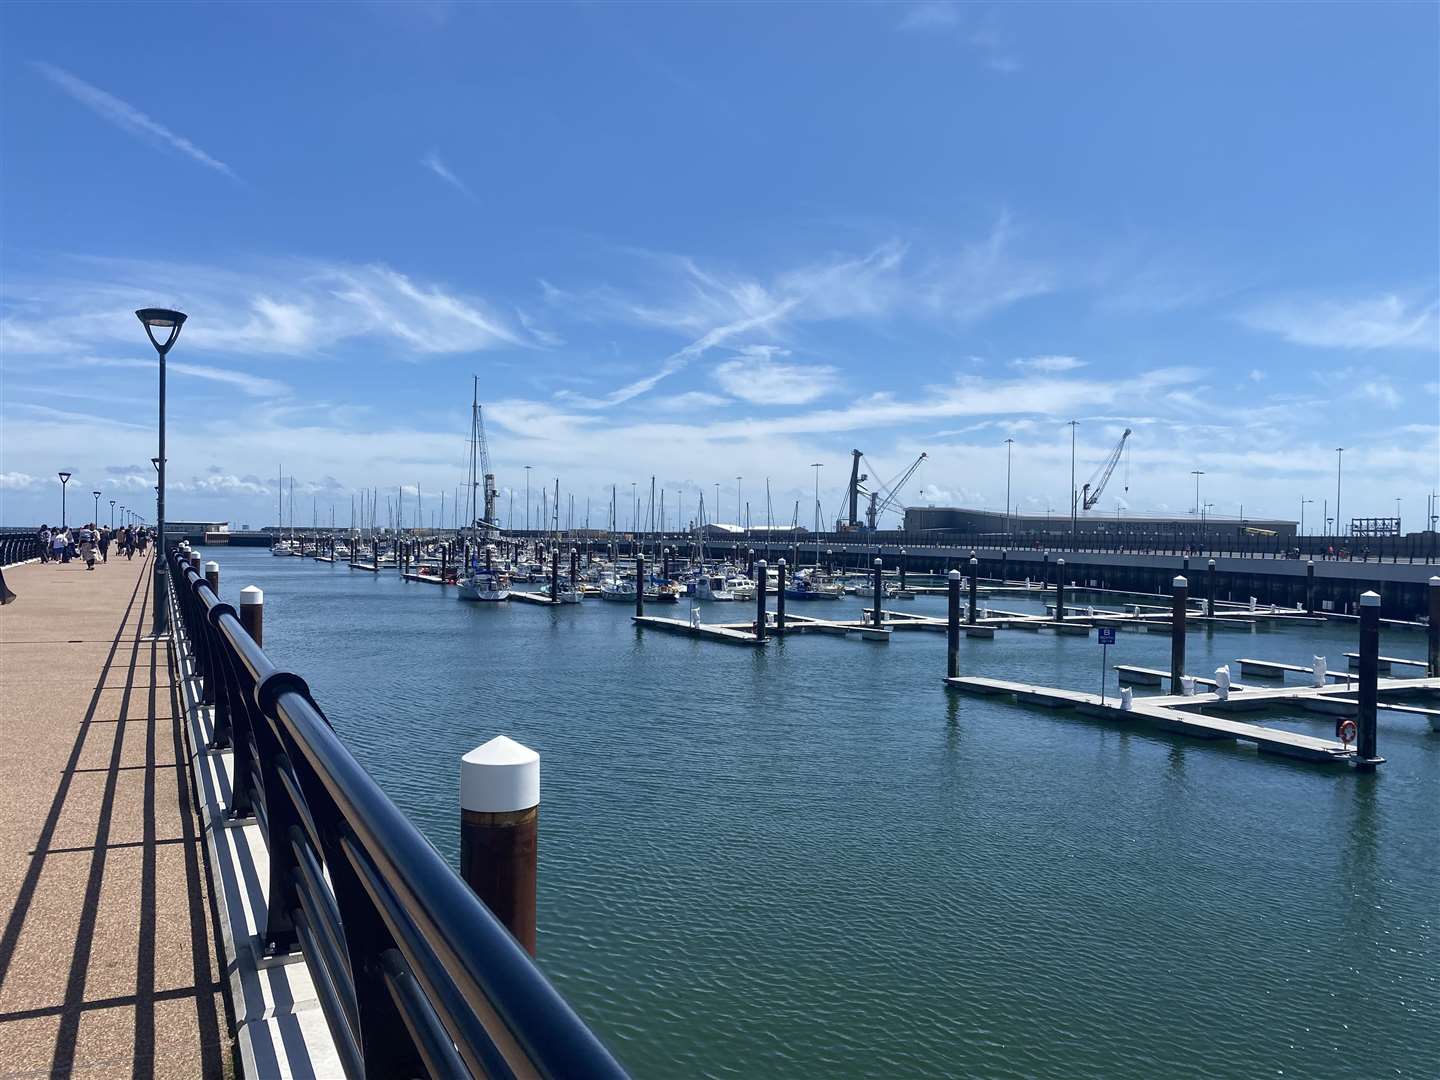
(877, 615)
(1004, 555)
(499, 832)
(212, 577)
(1433, 634)
(974, 590)
(444, 562)
(665, 565)
(952, 628)
(555, 576)
(1369, 674)
(1210, 588)
(904, 558)
(829, 561)
(639, 585)
(780, 598)
(1044, 572)
(1310, 587)
(252, 613)
(1059, 590)
(574, 569)
(1177, 633)
(762, 579)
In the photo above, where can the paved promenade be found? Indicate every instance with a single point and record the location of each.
(108, 961)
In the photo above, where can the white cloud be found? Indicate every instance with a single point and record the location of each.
(324, 305)
(1050, 364)
(759, 379)
(930, 16)
(1380, 391)
(1388, 321)
(436, 165)
(127, 117)
(18, 481)
(253, 385)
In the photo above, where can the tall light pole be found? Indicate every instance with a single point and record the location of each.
(1339, 457)
(1197, 473)
(739, 517)
(1074, 524)
(64, 479)
(112, 515)
(817, 466)
(527, 498)
(1009, 443)
(1303, 502)
(1397, 515)
(165, 320)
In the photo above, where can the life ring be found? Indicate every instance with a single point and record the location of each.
(1347, 731)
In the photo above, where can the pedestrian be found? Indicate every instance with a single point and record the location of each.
(59, 546)
(44, 535)
(87, 546)
(129, 542)
(105, 545)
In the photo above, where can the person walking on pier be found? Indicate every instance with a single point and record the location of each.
(59, 547)
(87, 546)
(105, 538)
(44, 535)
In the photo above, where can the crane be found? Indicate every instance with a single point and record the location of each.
(484, 479)
(1093, 489)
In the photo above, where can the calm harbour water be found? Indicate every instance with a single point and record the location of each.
(813, 861)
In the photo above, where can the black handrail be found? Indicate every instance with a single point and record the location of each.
(19, 546)
(414, 974)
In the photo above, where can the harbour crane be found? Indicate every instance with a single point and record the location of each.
(882, 496)
(1095, 486)
(484, 478)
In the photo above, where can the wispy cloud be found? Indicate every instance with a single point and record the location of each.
(930, 16)
(1047, 363)
(252, 385)
(757, 377)
(128, 118)
(1388, 321)
(279, 307)
(436, 165)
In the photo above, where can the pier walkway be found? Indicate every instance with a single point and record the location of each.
(108, 960)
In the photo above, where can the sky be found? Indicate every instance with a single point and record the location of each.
(697, 242)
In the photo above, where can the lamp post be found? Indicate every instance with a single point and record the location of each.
(1009, 444)
(1303, 502)
(112, 515)
(1339, 457)
(1073, 523)
(527, 498)
(64, 479)
(817, 466)
(168, 322)
(1197, 473)
(96, 519)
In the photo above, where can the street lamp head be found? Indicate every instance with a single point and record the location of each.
(162, 319)
(156, 462)
(96, 494)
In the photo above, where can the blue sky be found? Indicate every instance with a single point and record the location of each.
(707, 241)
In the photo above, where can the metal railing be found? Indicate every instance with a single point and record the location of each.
(18, 546)
(416, 977)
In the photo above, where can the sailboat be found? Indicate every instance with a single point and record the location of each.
(481, 581)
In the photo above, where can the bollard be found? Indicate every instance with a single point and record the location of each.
(1177, 634)
(1004, 555)
(555, 576)
(252, 613)
(1433, 633)
(1210, 588)
(212, 577)
(1187, 685)
(499, 831)
(762, 579)
(1369, 673)
(904, 558)
(665, 565)
(1044, 572)
(1127, 699)
(195, 561)
(952, 629)
(1310, 587)
(780, 598)
(1317, 671)
(574, 569)
(639, 585)
(876, 615)
(1059, 590)
(1222, 682)
(829, 561)
(974, 589)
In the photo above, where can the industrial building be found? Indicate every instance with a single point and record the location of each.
(966, 520)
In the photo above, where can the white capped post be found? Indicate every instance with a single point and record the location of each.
(252, 613)
(499, 831)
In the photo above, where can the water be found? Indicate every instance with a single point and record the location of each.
(813, 861)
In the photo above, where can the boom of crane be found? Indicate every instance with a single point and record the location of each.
(1093, 489)
(855, 491)
(880, 498)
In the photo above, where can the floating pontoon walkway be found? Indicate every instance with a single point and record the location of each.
(698, 630)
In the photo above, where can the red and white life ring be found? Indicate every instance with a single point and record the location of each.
(1348, 731)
